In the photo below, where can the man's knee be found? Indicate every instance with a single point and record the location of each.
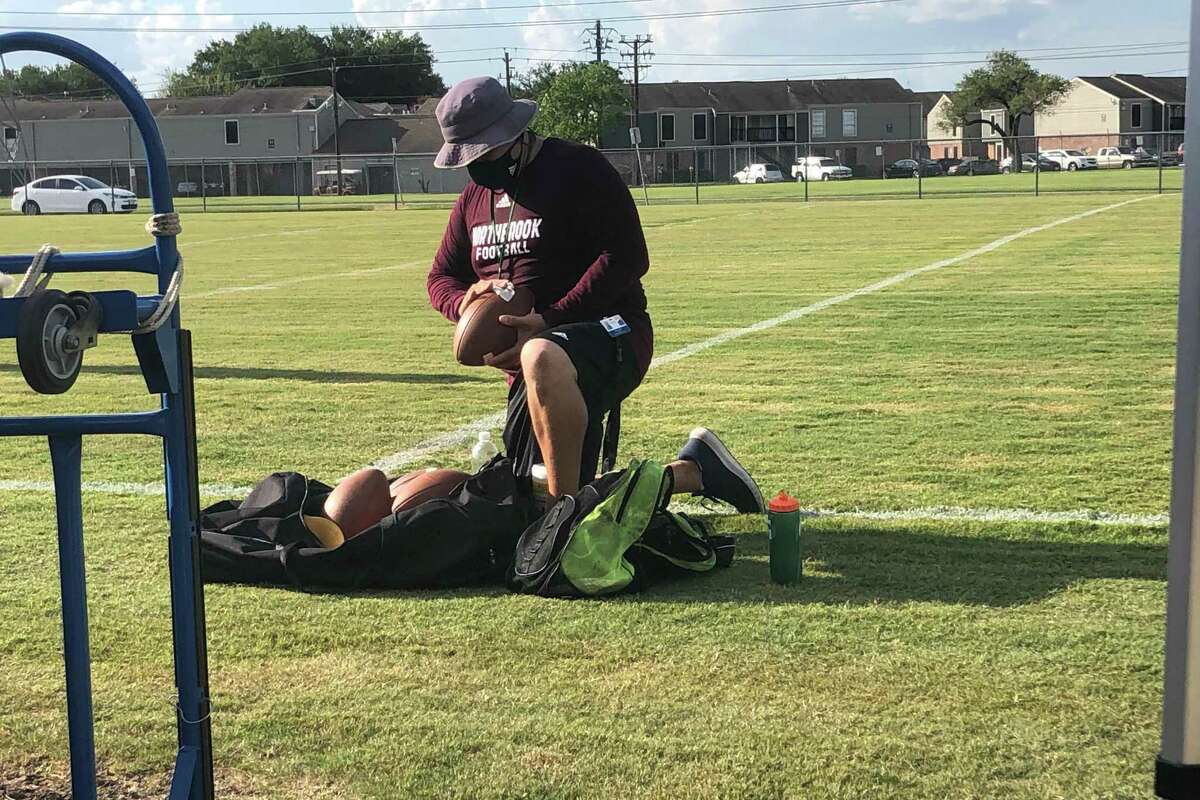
(542, 359)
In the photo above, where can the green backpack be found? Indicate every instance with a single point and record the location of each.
(615, 535)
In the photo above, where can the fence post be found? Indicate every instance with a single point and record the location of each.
(1037, 167)
(804, 168)
(920, 173)
(395, 182)
(696, 171)
(296, 181)
(203, 186)
(112, 179)
(1160, 158)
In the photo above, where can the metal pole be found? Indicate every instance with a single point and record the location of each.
(1160, 164)
(203, 186)
(395, 181)
(1037, 168)
(296, 181)
(1177, 772)
(66, 456)
(337, 124)
(804, 169)
(696, 171)
(920, 186)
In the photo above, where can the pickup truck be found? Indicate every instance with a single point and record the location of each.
(820, 168)
(1122, 158)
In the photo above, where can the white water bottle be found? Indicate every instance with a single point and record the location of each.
(483, 451)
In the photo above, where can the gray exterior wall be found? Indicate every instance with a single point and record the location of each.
(294, 134)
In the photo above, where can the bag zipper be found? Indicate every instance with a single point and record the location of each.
(629, 491)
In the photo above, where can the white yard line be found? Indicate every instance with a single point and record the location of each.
(459, 437)
(961, 514)
(930, 513)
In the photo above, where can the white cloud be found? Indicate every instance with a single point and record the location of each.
(156, 49)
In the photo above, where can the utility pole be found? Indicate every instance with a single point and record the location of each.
(636, 43)
(508, 71)
(337, 123)
(599, 44)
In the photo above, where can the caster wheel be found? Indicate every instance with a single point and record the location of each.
(49, 366)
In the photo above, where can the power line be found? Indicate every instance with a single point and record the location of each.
(1018, 51)
(481, 7)
(544, 23)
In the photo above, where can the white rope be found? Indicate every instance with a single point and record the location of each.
(30, 283)
(164, 225)
(166, 303)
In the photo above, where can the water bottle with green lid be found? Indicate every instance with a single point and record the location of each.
(783, 519)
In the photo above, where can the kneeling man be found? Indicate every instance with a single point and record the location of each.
(555, 217)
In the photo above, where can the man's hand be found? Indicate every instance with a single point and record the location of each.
(527, 327)
(477, 290)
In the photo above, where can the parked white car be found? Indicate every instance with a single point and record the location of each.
(1070, 160)
(820, 168)
(71, 194)
(758, 173)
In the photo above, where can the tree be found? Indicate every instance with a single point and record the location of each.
(534, 83)
(63, 79)
(388, 66)
(1007, 82)
(580, 102)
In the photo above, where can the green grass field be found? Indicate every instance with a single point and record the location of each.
(927, 654)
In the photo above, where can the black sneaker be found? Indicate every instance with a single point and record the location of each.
(722, 476)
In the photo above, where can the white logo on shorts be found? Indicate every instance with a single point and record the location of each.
(560, 333)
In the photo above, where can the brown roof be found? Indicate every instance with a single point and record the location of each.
(274, 100)
(414, 134)
(930, 99)
(1168, 89)
(1113, 87)
(743, 96)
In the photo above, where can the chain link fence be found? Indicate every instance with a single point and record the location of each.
(857, 169)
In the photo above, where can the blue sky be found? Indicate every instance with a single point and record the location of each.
(922, 43)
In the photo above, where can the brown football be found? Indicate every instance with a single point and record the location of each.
(409, 491)
(479, 331)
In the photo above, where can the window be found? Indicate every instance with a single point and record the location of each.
(699, 127)
(10, 134)
(818, 123)
(667, 122)
(787, 127)
(270, 144)
(889, 127)
(232, 133)
(91, 183)
(66, 184)
(761, 128)
(737, 129)
(849, 122)
(1135, 112)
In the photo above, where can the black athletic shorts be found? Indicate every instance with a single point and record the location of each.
(607, 373)
(606, 369)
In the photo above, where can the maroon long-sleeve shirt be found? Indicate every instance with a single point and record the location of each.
(573, 237)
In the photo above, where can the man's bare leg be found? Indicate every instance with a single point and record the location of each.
(558, 412)
(687, 477)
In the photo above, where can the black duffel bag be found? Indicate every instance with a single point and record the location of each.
(464, 539)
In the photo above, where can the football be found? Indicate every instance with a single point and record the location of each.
(479, 331)
(409, 491)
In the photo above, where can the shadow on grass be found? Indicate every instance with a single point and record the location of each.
(869, 567)
(263, 374)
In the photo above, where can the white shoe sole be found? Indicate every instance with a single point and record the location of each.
(726, 458)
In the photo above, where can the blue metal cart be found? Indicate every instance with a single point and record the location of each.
(52, 330)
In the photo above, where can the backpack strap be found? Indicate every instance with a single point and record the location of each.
(612, 436)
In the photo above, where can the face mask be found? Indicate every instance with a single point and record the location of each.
(495, 174)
